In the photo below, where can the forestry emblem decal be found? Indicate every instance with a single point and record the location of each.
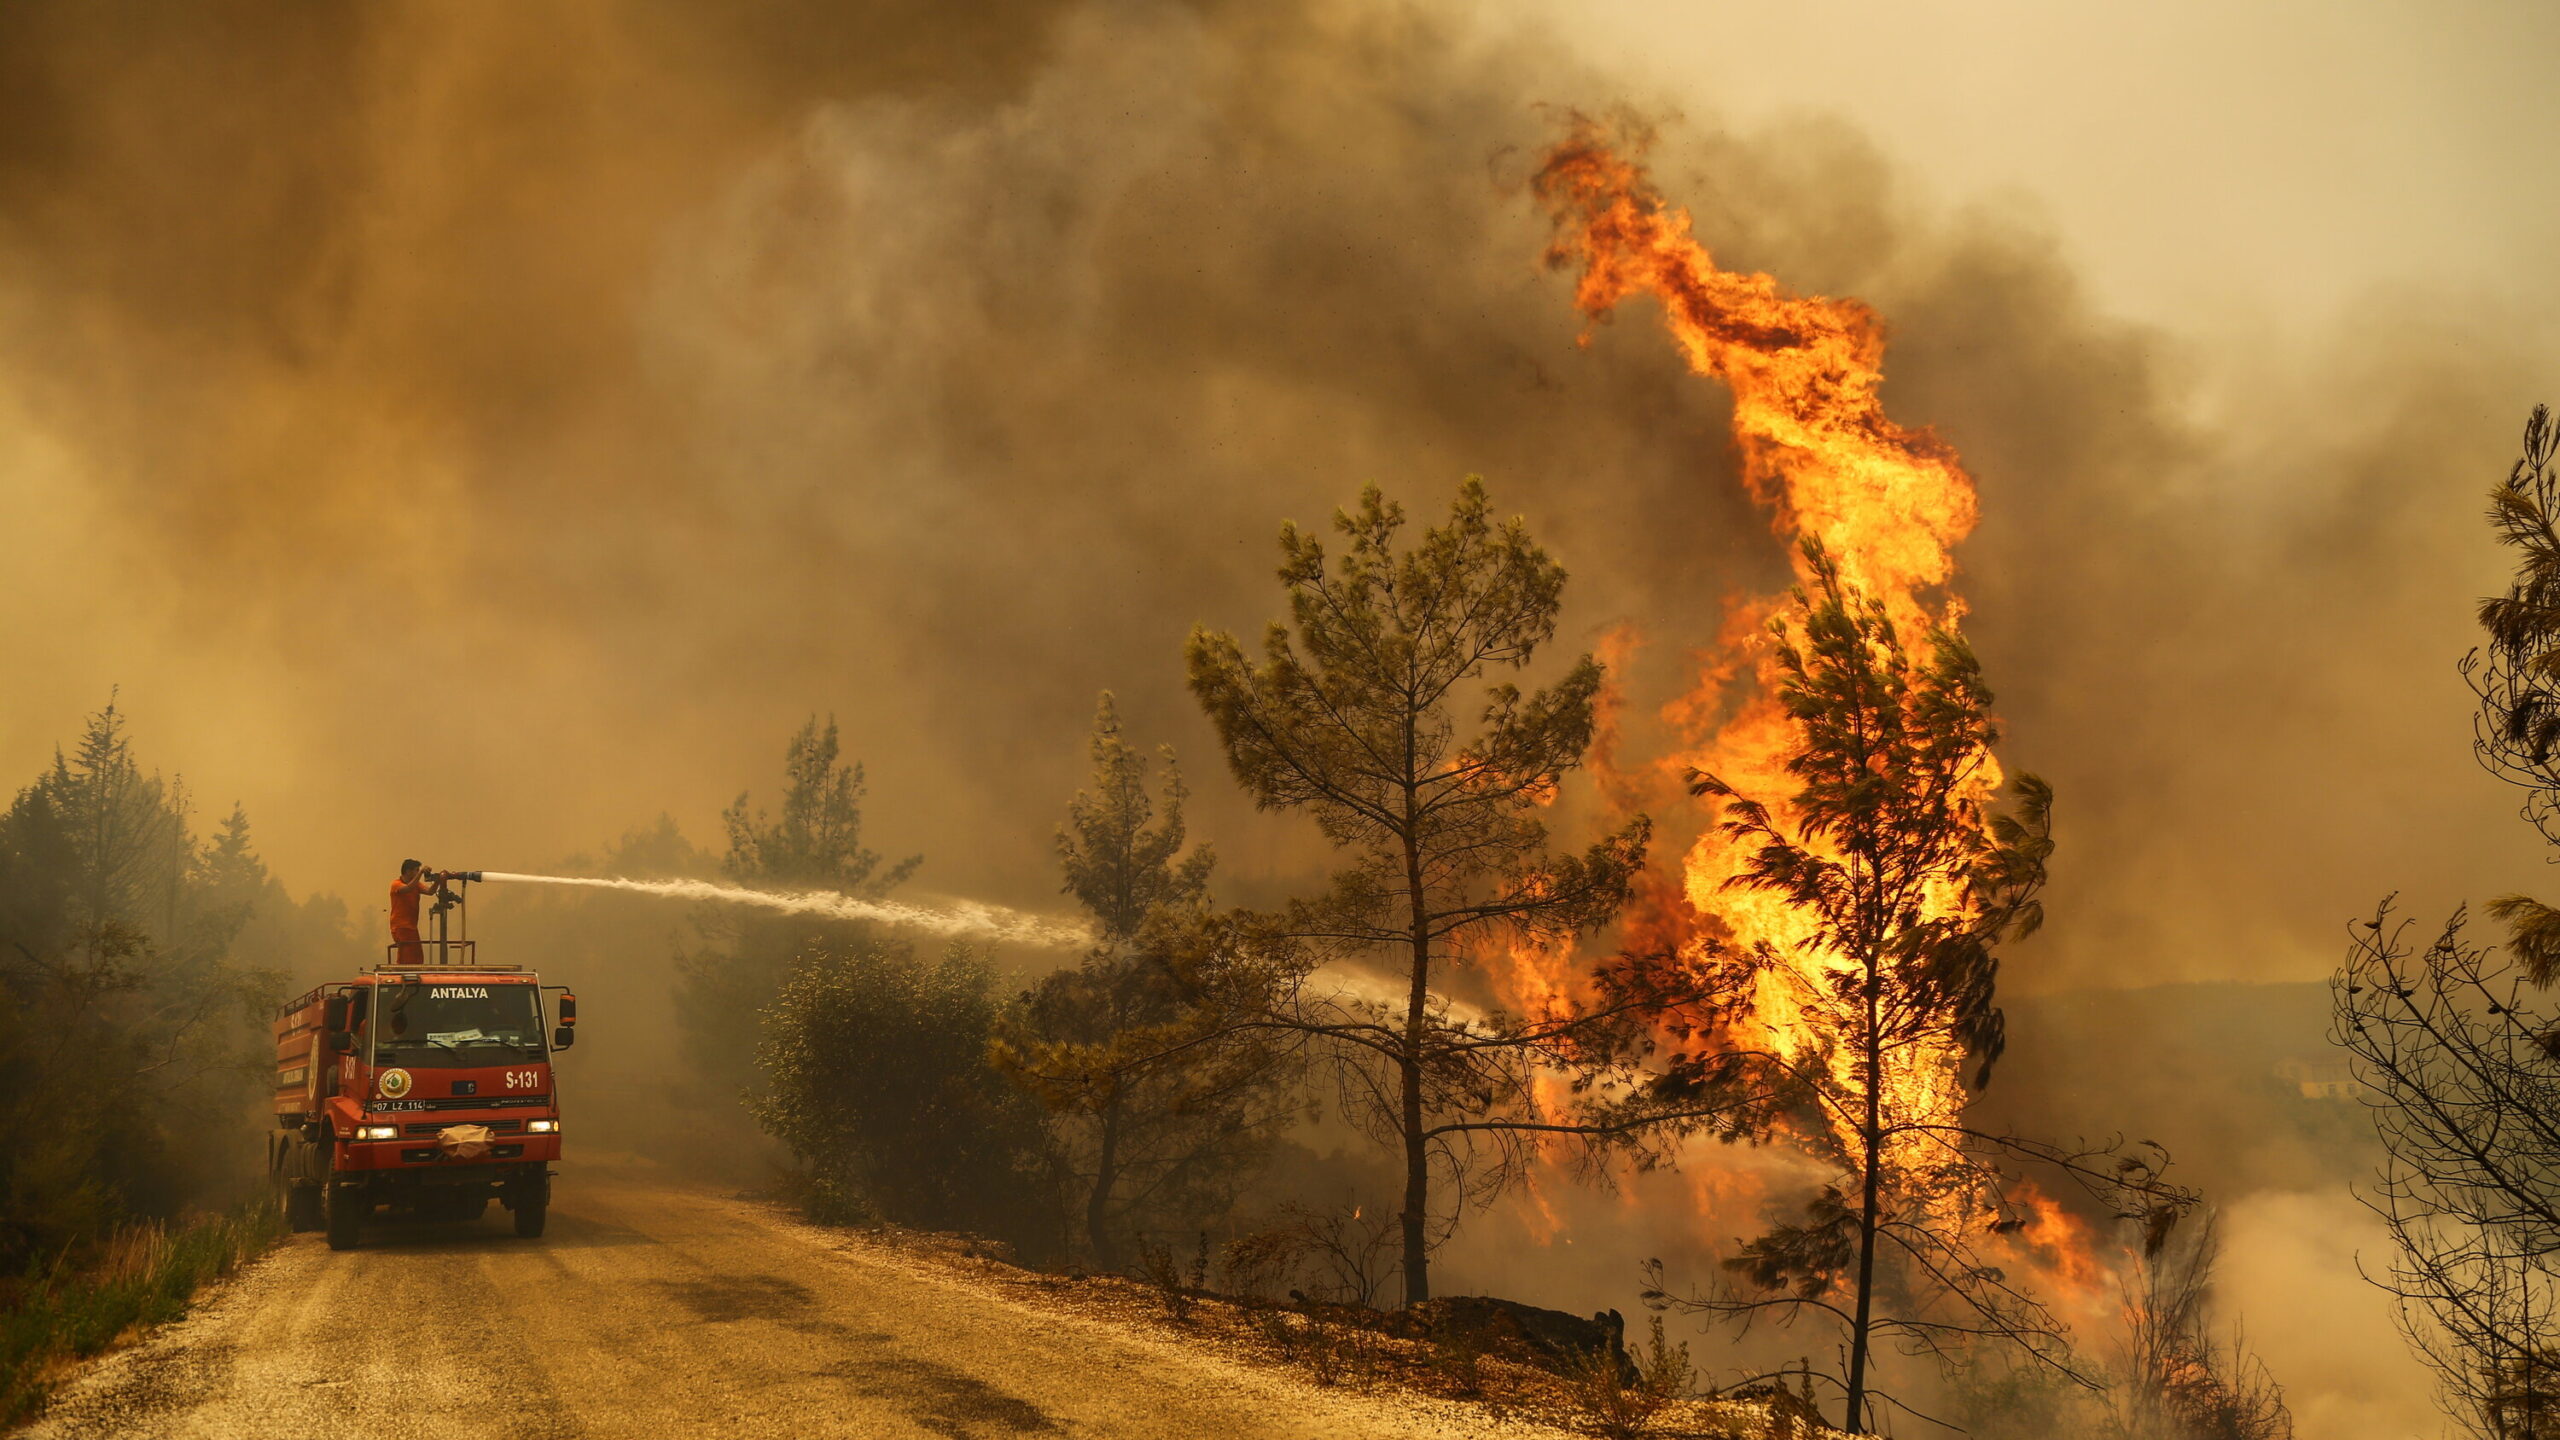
(393, 1084)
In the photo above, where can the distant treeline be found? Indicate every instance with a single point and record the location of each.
(138, 958)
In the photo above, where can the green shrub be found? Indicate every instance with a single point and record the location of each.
(145, 1275)
(877, 1078)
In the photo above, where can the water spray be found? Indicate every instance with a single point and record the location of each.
(967, 918)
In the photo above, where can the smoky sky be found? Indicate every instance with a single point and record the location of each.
(470, 432)
(474, 433)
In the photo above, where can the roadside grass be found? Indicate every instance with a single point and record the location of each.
(145, 1275)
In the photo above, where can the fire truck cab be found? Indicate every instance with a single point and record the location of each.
(419, 1092)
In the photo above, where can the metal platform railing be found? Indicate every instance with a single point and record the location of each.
(432, 955)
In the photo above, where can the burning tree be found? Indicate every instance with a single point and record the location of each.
(2175, 1382)
(1355, 717)
(1848, 906)
(1871, 995)
(2459, 1048)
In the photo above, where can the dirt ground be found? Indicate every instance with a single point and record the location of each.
(657, 1309)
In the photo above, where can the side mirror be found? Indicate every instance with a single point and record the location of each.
(568, 1009)
(340, 1042)
(333, 1013)
(563, 1038)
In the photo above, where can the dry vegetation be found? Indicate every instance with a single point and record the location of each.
(145, 1274)
(1490, 1365)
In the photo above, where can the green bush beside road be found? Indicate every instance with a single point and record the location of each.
(146, 1275)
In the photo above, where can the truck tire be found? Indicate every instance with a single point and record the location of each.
(297, 1203)
(530, 1198)
(344, 1207)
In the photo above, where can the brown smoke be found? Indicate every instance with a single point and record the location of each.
(568, 400)
(472, 432)
(563, 402)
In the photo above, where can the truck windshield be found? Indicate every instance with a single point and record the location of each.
(450, 1027)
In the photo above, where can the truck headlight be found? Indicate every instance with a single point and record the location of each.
(377, 1132)
(542, 1127)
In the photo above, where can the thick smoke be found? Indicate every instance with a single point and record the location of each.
(469, 433)
(460, 447)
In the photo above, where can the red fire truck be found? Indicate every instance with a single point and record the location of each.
(419, 1090)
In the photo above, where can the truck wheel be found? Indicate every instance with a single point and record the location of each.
(344, 1207)
(297, 1203)
(530, 1198)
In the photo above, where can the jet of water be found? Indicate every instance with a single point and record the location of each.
(965, 918)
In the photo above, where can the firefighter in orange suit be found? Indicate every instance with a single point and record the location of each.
(415, 880)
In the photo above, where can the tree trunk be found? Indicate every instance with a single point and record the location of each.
(1873, 1136)
(1417, 1190)
(1417, 1148)
(1106, 1174)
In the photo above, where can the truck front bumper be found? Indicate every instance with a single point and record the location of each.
(424, 1153)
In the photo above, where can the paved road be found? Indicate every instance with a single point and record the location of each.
(655, 1310)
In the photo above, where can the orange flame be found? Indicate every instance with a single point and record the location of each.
(1888, 502)
(2061, 1247)
(1816, 444)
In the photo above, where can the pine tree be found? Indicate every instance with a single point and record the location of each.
(814, 843)
(1907, 884)
(128, 832)
(1359, 716)
(129, 1047)
(1161, 1123)
(1117, 864)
